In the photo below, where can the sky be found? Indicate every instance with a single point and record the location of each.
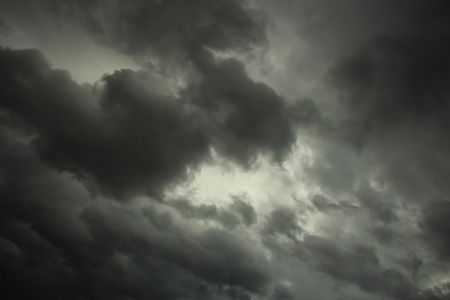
(226, 149)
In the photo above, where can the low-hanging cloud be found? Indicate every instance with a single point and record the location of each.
(362, 160)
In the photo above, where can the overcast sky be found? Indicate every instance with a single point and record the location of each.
(225, 149)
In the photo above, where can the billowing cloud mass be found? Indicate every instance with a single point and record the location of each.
(228, 149)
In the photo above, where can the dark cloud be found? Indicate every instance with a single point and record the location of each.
(236, 213)
(127, 135)
(369, 158)
(127, 141)
(189, 210)
(436, 227)
(413, 264)
(282, 292)
(214, 255)
(236, 294)
(335, 169)
(392, 114)
(283, 221)
(248, 117)
(4, 27)
(394, 80)
(245, 209)
(437, 292)
(169, 28)
(357, 264)
(387, 63)
(123, 138)
(379, 209)
(323, 204)
(130, 139)
(383, 234)
(62, 246)
(392, 89)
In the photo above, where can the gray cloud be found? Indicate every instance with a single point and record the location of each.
(126, 137)
(394, 80)
(383, 234)
(370, 142)
(124, 146)
(248, 117)
(207, 255)
(229, 217)
(435, 226)
(245, 209)
(380, 210)
(62, 245)
(324, 205)
(281, 292)
(168, 28)
(283, 221)
(358, 265)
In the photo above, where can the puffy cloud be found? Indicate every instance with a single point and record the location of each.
(127, 137)
(248, 117)
(361, 157)
(61, 244)
(128, 140)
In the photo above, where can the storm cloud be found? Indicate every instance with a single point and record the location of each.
(234, 150)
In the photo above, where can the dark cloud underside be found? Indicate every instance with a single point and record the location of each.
(106, 188)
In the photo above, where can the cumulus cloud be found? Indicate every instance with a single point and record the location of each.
(331, 116)
(128, 138)
(62, 245)
(125, 138)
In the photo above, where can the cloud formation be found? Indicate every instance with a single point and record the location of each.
(261, 150)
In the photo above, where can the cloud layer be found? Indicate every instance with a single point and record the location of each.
(261, 150)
